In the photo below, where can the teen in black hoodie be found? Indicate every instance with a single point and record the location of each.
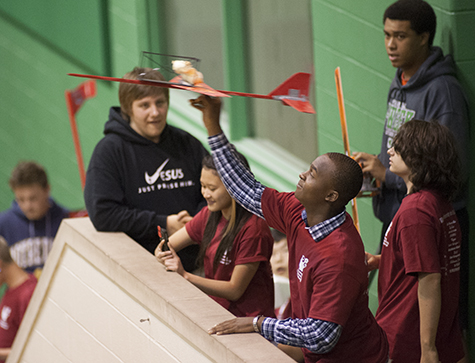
(144, 173)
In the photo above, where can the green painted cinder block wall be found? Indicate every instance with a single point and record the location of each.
(34, 122)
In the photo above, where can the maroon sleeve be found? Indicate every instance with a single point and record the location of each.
(254, 243)
(196, 226)
(276, 208)
(418, 241)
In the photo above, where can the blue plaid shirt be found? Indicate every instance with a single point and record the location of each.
(323, 229)
(318, 336)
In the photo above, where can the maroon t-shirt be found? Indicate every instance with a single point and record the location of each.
(12, 308)
(253, 243)
(424, 237)
(328, 281)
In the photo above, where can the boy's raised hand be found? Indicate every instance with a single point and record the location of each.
(211, 108)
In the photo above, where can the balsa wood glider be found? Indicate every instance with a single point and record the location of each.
(292, 92)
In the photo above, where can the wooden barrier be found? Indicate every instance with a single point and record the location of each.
(103, 298)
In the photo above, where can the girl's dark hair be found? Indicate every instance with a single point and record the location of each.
(428, 149)
(239, 217)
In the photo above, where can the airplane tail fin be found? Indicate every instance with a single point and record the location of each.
(294, 91)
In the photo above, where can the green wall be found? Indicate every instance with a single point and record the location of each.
(34, 122)
(66, 29)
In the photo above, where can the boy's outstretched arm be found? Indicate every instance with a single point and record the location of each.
(237, 178)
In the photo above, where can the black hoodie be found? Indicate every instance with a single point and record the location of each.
(133, 184)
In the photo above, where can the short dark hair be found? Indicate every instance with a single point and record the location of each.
(428, 149)
(347, 177)
(28, 173)
(129, 92)
(418, 12)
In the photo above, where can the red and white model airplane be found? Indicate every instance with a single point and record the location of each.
(292, 92)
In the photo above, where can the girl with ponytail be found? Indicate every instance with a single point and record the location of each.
(235, 249)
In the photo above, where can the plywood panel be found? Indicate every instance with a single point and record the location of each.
(103, 298)
(39, 346)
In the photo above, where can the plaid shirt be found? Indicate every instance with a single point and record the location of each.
(318, 336)
(323, 229)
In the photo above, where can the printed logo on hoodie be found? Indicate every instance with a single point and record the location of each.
(397, 115)
(31, 252)
(152, 179)
(165, 179)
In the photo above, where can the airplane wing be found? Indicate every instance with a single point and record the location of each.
(292, 92)
(301, 106)
(202, 88)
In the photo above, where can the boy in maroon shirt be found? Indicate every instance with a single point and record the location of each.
(419, 265)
